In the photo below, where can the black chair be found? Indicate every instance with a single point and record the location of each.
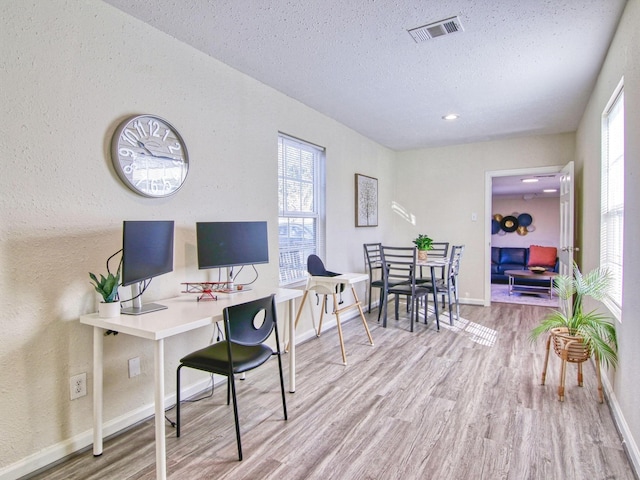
(399, 268)
(247, 326)
(448, 287)
(373, 264)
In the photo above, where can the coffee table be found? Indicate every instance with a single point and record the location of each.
(528, 274)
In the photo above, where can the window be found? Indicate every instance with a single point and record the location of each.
(612, 196)
(301, 201)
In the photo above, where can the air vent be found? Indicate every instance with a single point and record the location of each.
(436, 29)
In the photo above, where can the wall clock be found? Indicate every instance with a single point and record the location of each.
(149, 156)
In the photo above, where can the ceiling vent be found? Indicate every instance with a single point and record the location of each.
(436, 29)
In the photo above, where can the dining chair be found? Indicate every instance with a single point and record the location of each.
(399, 268)
(439, 250)
(448, 287)
(373, 264)
(246, 327)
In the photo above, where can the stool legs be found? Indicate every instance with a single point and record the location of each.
(563, 372)
(546, 361)
(600, 394)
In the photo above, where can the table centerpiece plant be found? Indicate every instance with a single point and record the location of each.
(424, 244)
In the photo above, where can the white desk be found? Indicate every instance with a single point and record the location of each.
(183, 314)
(327, 286)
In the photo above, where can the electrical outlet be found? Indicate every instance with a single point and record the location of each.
(78, 386)
(134, 367)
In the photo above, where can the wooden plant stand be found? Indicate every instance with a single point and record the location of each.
(570, 349)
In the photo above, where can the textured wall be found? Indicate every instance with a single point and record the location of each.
(623, 60)
(71, 70)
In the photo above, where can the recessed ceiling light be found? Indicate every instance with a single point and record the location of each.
(451, 116)
(550, 190)
(529, 180)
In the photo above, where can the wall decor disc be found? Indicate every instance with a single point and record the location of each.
(149, 156)
(524, 219)
(495, 226)
(509, 224)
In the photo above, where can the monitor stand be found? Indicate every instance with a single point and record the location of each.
(230, 287)
(138, 308)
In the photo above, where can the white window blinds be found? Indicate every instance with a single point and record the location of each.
(301, 201)
(612, 196)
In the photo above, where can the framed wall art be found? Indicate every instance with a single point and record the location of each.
(366, 201)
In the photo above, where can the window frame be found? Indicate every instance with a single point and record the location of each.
(612, 197)
(293, 250)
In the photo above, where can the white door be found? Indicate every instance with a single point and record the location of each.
(566, 220)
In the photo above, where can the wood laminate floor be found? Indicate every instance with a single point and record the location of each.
(462, 403)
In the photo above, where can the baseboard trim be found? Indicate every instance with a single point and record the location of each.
(628, 442)
(49, 456)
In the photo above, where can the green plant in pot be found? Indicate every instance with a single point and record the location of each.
(574, 331)
(424, 244)
(107, 287)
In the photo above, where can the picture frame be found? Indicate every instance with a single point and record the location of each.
(366, 201)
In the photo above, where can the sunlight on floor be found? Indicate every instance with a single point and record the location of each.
(477, 333)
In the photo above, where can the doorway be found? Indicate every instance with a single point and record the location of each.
(507, 191)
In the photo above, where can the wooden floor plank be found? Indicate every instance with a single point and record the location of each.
(464, 402)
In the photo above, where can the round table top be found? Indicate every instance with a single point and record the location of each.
(529, 273)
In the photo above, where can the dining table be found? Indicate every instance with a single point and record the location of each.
(432, 263)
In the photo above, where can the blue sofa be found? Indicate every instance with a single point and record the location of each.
(510, 258)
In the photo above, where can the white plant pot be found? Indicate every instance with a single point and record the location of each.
(109, 310)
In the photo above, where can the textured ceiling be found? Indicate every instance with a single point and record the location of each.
(520, 67)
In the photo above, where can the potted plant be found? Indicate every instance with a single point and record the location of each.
(575, 332)
(424, 244)
(107, 287)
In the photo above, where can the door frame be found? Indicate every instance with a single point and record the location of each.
(488, 208)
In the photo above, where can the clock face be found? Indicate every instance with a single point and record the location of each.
(149, 156)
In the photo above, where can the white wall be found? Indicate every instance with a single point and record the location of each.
(623, 59)
(546, 221)
(439, 189)
(71, 71)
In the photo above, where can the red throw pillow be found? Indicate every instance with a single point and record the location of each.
(542, 256)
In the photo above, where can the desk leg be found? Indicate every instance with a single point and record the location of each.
(292, 342)
(161, 449)
(98, 348)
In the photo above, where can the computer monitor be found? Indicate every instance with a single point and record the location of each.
(230, 244)
(147, 252)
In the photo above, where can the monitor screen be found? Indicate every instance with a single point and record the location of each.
(147, 250)
(226, 244)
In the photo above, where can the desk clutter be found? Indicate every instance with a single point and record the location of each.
(207, 289)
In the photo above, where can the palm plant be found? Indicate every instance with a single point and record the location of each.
(598, 333)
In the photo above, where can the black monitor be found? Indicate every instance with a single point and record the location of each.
(147, 252)
(229, 244)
